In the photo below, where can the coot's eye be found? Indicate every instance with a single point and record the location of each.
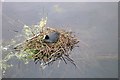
(46, 37)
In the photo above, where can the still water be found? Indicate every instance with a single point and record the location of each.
(95, 25)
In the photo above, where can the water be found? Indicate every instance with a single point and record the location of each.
(95, 24)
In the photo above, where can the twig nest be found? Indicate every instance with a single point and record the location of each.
(50, 45)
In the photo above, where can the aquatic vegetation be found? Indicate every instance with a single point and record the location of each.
(35, 48)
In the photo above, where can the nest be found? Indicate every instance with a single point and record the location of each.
(46, 53)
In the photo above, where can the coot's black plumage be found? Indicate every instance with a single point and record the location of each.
(51, 37)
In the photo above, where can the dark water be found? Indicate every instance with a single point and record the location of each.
(95, 24)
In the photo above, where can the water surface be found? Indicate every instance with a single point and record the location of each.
(95, 24)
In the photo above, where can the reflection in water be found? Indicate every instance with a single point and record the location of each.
(95, 24)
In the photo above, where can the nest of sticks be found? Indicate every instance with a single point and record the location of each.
(46, 53)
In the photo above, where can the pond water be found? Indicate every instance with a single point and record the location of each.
(95, 25)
